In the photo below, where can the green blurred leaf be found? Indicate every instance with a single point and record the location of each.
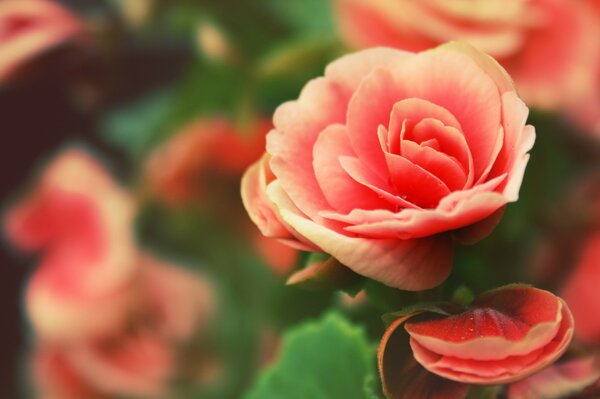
(306, 16)
(430, 307)
(326, 359)
(463, 295)
(205, 90)
(132, 127)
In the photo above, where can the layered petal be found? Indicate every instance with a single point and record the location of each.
(411, 264)
(508, 334)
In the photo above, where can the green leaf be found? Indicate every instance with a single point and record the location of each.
(134, 126)
(430, 307)
(306, 16)
(320, 360)
(324, 273)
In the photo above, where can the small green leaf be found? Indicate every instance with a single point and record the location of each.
(134, 126)
(309, 17)
(430, 307)
(327, 359)
(323, 272)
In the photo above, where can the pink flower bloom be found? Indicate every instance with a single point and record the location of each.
(79, 221)
(506, 335)
(548, 46)
(140, 357)
(581, 292)
(559, 380)
(184, 168)
(390, 155)
(30, 28)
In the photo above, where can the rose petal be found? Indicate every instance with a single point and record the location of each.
(341, 191)
(409, 265)
(297, 127)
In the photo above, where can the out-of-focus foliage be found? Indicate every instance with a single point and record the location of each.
(330, 358)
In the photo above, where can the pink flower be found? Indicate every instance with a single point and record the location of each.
(184, 168)
(559, 380)
(548, 46)
(581, 292)
(139, 357)
(80, 222)
(30, 28)
(391, 155)
(506, 335)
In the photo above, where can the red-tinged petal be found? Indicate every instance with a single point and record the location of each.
(363, 175)
(415, 110)
(471, 370)
(340, 190)
(414, 183)
(261, 211)
(402, 377)
(472, 97)
(530, 363)
(560, 380)
(509, 334)
(405, 264)
(503, 322)
(445, 168)
(450, 140)
(457, 210)
(298, 124)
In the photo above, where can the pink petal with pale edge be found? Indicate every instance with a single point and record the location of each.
(458, 209)
(341, 191)
(503, 323)
(471, 97)
(298, 124)
(406, 264)
(505, 368)
(261, 212)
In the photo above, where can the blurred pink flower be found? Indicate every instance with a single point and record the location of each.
(388, 195)
(140, 357)
(559, 380)
(582, 294)
(202, 158)
(109, 318)
(30, 28)
(80, 223)
(549, 47)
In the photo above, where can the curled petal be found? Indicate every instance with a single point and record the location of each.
(508, 334)
(406, 264)
(258, 206)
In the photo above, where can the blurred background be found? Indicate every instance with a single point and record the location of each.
(128, 125)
